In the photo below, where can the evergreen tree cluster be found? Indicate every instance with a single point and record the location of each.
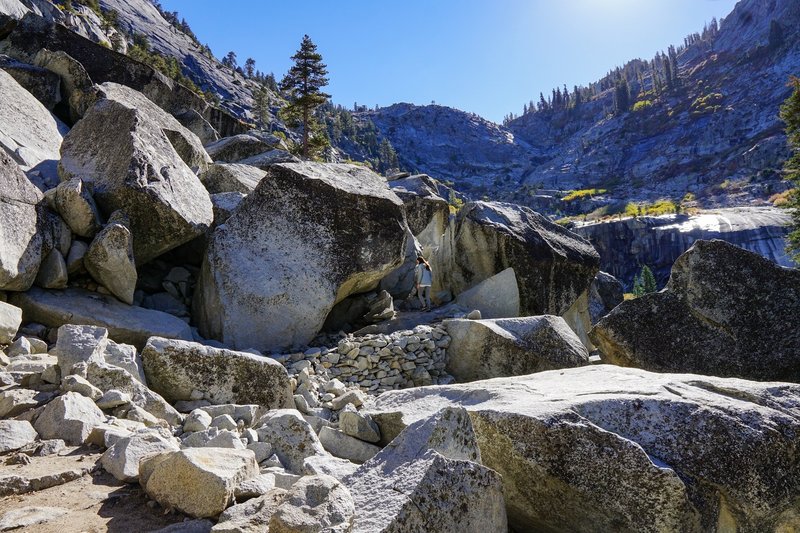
(344, 128)
(644, 282)
(660, 75)
(790, 113)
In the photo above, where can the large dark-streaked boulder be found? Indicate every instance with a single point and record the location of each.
(310, 235)
(725, 312)
(141, 161)
(175, 369)
(553, 265)
(605, 448)
(125, 323)
(40, 82)
(485, 349)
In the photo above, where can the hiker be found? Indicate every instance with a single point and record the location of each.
(423, 277)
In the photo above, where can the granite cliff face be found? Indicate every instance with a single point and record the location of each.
(717, 136)
(625, 245)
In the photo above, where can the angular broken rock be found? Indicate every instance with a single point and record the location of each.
(495, 297)
(553, 266)
(122, 459)
(223, 177)
(252, 516)
(428, 479)
(142, 161)
(197, 481)
(608, 448)
(110, 258)
(238, 147)
(176, 368)
(80, 344)
(291, 437)
(485, 349)
(125, 356)
(73, 201)
(16, 401)
(724, 312)
(14, 434)
(75, 383)
(10, 319)
(70, 417)
(315, 503)
(344, 446)
(358, 425)
(53, 271)
(279, 264)
(128, 324)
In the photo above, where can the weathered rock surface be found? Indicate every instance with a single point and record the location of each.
(176, 368)
(495, 297)
(222, 177)
(429, 479)
(197, 481)
(344, 446)
(80, 344)
(485, 349)
(292, 438)
(77, 86)
(70, 418)
(16, 401)
(110, 258)
(605, 294)
(607, 448)
(10, 319)
(29, 133)
(315, 504)
(238, 147)
(724, 312)
(14, 434)
(40, 82)
(290, 253)
(73, 201)
(122, 459)
(252, 516)
(52, 271)
(152, 179)
(553, 266)
(358, 425)
(125, 356)
(125, 324)
(23, 243)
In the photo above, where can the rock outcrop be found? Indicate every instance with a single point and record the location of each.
(606, 448)
(178, 369)
(126, 324)
(291, 251)
(141, 161)
(225, 178)
(553, 266)
(724, 312)
(485, 349)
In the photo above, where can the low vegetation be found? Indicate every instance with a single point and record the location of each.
(582, 194)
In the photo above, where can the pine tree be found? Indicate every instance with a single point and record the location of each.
(230, 60)
(790, 113)
(303, 84)
(644, 282)
(249, 67)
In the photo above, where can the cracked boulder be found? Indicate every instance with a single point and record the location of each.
(604, 448)
(142, 161)
(724, 312)
(310, 235)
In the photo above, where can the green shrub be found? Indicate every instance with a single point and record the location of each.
(582, 193)
(642, 105)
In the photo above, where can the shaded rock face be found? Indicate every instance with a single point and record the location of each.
(40, 82)
(724, 312)
(309, 235)
(22, 242)
(141, 161)
(238, 147)
(29, 133)
(225, 178)
(626, 245)
(485, 349)
(176, 369)
(605, 294)
(604, 448)
(553, 266)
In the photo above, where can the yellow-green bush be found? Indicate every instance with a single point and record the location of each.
(582, 193)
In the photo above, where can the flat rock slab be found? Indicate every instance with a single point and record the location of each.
(125, 323)
(29, 516)
(46, 472)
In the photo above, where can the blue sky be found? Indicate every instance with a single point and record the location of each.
(483, 56)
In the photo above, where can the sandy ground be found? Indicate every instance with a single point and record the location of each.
(96, 502)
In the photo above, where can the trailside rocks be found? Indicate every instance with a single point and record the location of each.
(127, 324)
(176, 369)
(315, 503)
(70, 417)
(141, 161)
(10, 319)
(110, 258)
(309, 235)
(75, 204)
(29, 133)
(605, 448)
(553, 266)
(122, 459)
(292, 438)
(197, 481)
(485, 349)
(21, 241)
(14, 434)
(724, 312)
(80, 344)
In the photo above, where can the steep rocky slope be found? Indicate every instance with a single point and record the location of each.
(717, 135)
